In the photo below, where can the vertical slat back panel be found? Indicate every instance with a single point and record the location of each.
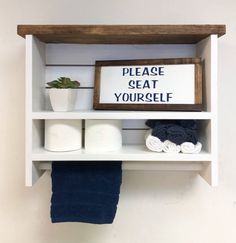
(77, 62)
(133, 136)
(79, 54)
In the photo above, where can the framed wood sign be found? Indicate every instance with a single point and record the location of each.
(160, 84)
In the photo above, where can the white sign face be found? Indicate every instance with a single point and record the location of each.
(148, 84)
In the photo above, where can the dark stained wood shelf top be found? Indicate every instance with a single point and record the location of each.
(121, 34)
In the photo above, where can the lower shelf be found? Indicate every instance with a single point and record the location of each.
(126, 153)
(134, 157)
(148, 166)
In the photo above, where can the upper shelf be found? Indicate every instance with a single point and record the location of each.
(93, 114)
(121, 34)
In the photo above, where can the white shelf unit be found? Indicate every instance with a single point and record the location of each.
(47, 61)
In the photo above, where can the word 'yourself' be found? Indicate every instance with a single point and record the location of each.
(143, 84)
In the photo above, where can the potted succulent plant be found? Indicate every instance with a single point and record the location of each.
(62, 93)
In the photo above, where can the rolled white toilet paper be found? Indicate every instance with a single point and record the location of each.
(63, 135)
(103, 135)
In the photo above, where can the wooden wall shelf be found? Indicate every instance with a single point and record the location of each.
(121, 34)
(46, 60)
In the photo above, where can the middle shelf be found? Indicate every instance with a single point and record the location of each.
(128, 133)
(126, 153)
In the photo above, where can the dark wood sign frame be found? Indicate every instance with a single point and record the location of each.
(197, 106)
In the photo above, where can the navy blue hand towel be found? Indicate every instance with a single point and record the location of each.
(160, 131)
(154, 123)
(176, 131)
(85, 191)
(176, 134)
(191, 136)
(151, 123)
(189, 124)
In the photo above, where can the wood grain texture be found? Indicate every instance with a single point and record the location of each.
(150, 107)
(96, 92)
(165, 61)
(198, 83)
(121, 34)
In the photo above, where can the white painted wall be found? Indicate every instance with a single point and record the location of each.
(154, 206)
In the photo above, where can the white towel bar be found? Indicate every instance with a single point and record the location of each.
(149, 165)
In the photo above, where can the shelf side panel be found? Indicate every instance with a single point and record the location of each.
(207, 49)
(35, 65)
(28, 108)
(214, 109)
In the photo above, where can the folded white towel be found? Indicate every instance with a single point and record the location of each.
(190, 148)
(153, 143)
(170, 147)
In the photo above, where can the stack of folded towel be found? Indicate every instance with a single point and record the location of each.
(173, 136)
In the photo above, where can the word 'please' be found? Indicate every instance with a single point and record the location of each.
(143, 71)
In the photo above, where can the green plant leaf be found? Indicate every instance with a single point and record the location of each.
(53, 83)
(64, 83)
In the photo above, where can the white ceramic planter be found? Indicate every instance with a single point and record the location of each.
(63, 135)
(62, 99)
